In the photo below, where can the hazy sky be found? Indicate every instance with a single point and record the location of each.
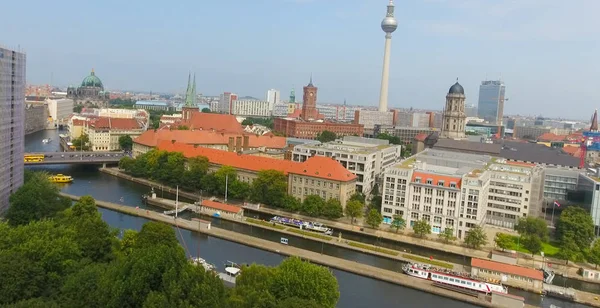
(545, 50)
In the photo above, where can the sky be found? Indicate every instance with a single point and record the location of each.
(546, 51)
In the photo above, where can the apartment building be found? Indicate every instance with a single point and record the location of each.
(12, 128)
(364, 157)
(251, 108)
(459, 191)
(320, 176)
(104, 133)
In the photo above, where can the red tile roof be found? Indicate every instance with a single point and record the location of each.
(421, 137)
(549, 137)
(77, 122)
(319, 167)
(114, 123)
(507, 268)
(152, 138)
(221, 206)
(571, 150)
(436, 178)
(213, 121)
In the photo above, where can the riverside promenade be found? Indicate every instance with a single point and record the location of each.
(558, 266)
(325, 260)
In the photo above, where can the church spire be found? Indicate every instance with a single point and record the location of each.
(190, 93)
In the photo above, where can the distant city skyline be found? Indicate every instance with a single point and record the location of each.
(544, 54)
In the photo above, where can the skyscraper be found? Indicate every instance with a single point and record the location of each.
(12, 111)
(388, 25)
(273, 97)
(491, 101)
(454, 117)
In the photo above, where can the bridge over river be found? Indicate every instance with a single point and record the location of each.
(76, 158)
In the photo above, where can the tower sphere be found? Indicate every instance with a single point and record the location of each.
(389, 24)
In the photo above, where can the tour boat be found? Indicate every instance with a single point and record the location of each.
(451, 278)
(311, 226)
(548, 275)
(60, 178)
(232, 270)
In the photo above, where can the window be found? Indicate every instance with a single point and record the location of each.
(387, 210)
(429, 181)
(440, 183)
(414, 215)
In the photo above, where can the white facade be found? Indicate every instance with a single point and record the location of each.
(368, 118)
(60, 109)
(364, 157)
(120, 113)
(12, 119)
(458, 191)
(273, 97)
(251, 108)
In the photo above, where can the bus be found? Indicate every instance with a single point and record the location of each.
(34, 158)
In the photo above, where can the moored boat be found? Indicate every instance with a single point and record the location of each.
(311, 226)
(232, 270)
(460, 280)
(60, 178)
(199, 261)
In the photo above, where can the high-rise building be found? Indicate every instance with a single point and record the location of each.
(491, 101)
(273, 97)
(388, 25)
(454, 117)
(226, 102)
(12, 134)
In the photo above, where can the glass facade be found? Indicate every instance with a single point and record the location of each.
(491, 101)
(12, 119)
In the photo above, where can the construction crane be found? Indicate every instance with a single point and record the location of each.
(590, 140)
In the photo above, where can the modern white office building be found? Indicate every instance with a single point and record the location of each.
(366, 158)
(60, 109)
(273, 97)
(12, 119)
(251, 108)
(459, 191)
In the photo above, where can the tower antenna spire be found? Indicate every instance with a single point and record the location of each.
(389, 24)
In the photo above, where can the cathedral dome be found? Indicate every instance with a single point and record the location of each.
(92, 81)
(456, 89)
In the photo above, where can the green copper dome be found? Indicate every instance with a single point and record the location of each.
(92, 81)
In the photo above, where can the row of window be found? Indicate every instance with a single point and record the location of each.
(313, 182)
(515, 277)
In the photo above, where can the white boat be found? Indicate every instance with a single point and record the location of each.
(207, 266)
(232, 270)
(460, 280)
(318, 227)
(46, 140)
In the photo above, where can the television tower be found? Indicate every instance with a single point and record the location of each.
(388, 25)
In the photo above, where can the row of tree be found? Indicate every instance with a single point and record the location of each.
(270, 186)
(53, 254)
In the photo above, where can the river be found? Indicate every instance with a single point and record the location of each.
(355, 290)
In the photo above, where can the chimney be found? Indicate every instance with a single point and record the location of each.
(246, 142)
(230, 145)
(238, 144)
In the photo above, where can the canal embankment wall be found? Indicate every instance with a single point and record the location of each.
(325, 260)
(559, 268)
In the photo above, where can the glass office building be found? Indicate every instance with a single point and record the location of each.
(12, 119)
(491, 101)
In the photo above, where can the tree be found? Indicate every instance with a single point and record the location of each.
(533, 226)
(357, 197)
(398, 223)
(317, 283)
(594, 254)
(183, 127)
(77, 108)
(374, 218)
(476, 237)
(37, 199)
(206, 110)
(376, 202)
(81, 143)
(125, 142)
(447, 235)
(390, 138)
(569, 251)
(270, 187)
(247, 122)
(326, 136)
(313, 205)
(332, 209)
(503, 241)
(575, 224)
(532, 243)
(354, 209)
(422, 228)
